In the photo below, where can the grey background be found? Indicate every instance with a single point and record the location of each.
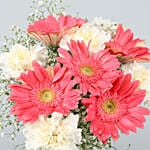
(135, 14)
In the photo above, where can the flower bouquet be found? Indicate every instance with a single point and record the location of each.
(71, 83)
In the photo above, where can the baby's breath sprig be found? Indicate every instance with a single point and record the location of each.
(43, 8)
(52, 54)
(6, 120)
(19, 147)
(19, 36)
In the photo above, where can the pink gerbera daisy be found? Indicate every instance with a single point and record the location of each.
(127, 49)
(95, 72)
(116, 109)
(43, 93)
(50, 31)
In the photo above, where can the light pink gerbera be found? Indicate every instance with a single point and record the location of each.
(43, 93)
(116, 109)
(95, 72)
(127, 49)
(50, 31)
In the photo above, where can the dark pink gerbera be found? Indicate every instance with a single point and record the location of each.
(43, 93)
(50, 31)
(116, 109)
(127, 49)
(95, 72)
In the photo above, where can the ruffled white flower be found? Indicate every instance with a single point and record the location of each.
(87, 33)
(55, 133)
(19, 59)
(141, 73)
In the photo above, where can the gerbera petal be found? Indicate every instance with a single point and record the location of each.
(119, 31)
(128, 124)
(66, 79)
(64, 53)
(126, 37)
(90, 116)
(136, 98)
(52, 25)
(136, 122)
(122, 128)
(50, 31)
(125, 47)
(59, 74)
(114, 133)
(137, 116)
(56, 68)
(37, 70)
(96, 125)
(27, 80)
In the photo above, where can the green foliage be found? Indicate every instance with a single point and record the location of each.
(89, 141)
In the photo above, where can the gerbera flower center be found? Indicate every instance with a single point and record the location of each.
(109, 106)
(47, 95)
(117, 50)
(87, 70)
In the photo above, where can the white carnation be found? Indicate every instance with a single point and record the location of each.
(141, 73)
(55, 133)
(87, 33)
(19, 59)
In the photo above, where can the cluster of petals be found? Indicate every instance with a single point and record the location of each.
(88, 32)
(94, 72)
(50, 31)
(55, 133)
(19, 59)
(127, 49)
(116, 109)
(43, 92)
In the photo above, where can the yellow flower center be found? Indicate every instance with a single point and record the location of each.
(47, 96)
(87, 70)
(109, 106)
(116, 50)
